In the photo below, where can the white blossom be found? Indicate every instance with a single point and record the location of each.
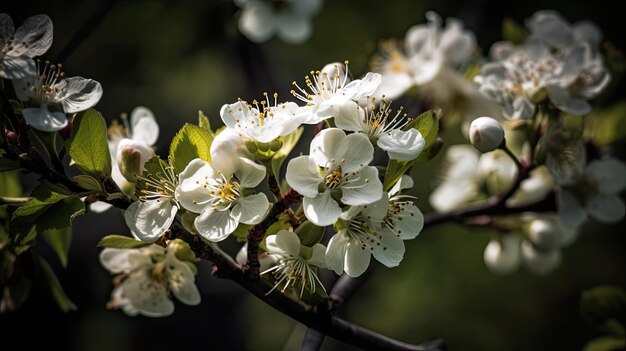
(261, 121)
(502, 255)
(384, 128)
(335, 171)
(219, 195)
(291, 21)
(595, 194)
(54, 95)
(430, 58)
(295, 265)
(556, 60)
(329, 90)
(17, 48)
(148, 276)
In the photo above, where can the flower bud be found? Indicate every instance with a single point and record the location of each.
(182, 250)
(130, 163)
(502, 256)
(12, 138)
(486, 134)
(539, 262)
(545, 233)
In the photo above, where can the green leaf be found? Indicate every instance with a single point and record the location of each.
(606, 343)
(603, 306)
(309, 233)
(8, 165)
(59, 240)
(513, 32)
(190, 142)
(54, 285)
(205, 123)
(88, 145)
(46, 210)
(289, 142)
(241, 233)
(121, 242)
(427, 124)
(88, 182)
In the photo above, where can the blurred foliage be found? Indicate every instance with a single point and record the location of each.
(179, 57)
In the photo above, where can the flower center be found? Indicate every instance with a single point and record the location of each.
(49, 79)
(333, 178)
(379, 122)
(321, 85)
(360, 230)
(159, 185)
(224, 192)
(293, 271)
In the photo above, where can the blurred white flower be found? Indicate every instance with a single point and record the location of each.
(502, 255)
(261, 121)
(336, 169)
(217, 194)
(148, 276)
(470, 177)
(595, 194)
(557, 61)
(17, 48)
(329, 90)
(295, 265)
(431, 55)
(52, 93)
(383, 129)
(289, 20)
(537, 261)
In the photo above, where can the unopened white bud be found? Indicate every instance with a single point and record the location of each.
(539, 262)
(545, 233)
(502, 256)
(486, 134)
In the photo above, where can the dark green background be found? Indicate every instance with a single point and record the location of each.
(177, 57)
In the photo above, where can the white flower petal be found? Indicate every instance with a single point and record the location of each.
(226, 144)
(144, 126)
(285, 243)
(149, 220)
(33, 38)
(390, 251)
(257, 21)
(250, 174)
(42, 119)
(405, 182)
(453, 193)
(565, 102)
(570, 210)
(303, 176)
(539, 262)
(79, 94)
(411, 224)
(130, 171)
(503, 256)
(251, 209)
(318, 256)
(457, 43)
(350, 118)
(190, 191)
(609, 175)
(393, 85)
(115, 260)
(357, 259)
(359, 153)
(99, 207)
(402, 145)
(181, 282)
(17, 67)
(336, 251)
(328, 145)
(24, 87)
(147, 295)
(6, 27)
(321, 210)
(364, 189)
(215, 225)
(292, 28)
(606, 208)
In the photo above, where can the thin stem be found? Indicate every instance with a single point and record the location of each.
(508, 151)
(15, 201)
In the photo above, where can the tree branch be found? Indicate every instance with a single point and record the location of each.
(311, 316)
